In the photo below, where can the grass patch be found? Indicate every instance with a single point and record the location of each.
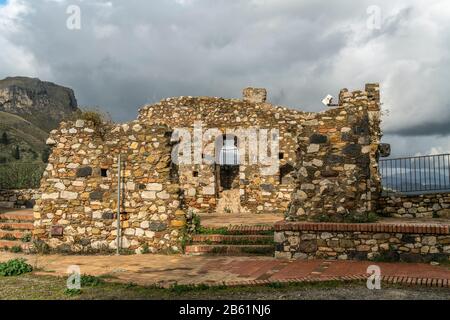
(90, 281)
(29, 286)
(72, 292)
(26, 237)
(16, 249)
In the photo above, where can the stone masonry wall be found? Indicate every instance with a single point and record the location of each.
(338, 159)
(258, 192)
(362, 241)
(23, 198)
(433, 205)
(79, 189)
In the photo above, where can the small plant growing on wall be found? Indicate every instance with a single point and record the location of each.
(192, 227)
(98, 118)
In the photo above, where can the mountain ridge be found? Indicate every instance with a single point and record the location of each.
(29, 110)
(43, 103)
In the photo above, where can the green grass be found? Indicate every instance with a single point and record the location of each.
(30, 286)
(33, 287)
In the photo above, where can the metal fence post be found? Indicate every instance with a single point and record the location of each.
(118, 204)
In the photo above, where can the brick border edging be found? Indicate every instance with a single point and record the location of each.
(363, 227)
(429, 282)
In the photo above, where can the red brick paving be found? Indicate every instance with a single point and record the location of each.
(283, 270)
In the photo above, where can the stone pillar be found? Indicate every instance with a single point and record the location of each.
(256, 95)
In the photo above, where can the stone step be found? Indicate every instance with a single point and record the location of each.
(18, 217)
(230, 250)
(8, 244)
(232, 239)
(14, 233)
(8, 226)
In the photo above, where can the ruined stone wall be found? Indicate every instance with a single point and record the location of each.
(433, 205)
(21, 198)
(77, 209)
(338, 159)
(387, 242)
(258, 192)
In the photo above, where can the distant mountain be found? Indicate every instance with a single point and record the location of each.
(42, 103)
(29, 110)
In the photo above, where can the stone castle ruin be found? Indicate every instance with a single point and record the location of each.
(325, 164)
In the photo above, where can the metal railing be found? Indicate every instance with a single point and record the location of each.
(21, 175)
(229, 156)
(420, 174)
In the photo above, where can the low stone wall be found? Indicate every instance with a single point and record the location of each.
(388, 242)
(435, 205)
(23, 198)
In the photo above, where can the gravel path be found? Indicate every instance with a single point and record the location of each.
(345, 292)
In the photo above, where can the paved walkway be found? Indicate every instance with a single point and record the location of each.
(168, 269)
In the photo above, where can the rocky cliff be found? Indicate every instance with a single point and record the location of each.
(42, 103)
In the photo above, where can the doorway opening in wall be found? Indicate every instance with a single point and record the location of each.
(227, 175)
(227, 168)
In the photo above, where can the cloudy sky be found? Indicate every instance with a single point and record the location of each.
(133, 52)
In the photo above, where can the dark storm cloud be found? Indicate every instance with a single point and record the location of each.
(425, 129)
(129, 53)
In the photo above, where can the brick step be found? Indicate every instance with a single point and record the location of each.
(8, 226)
(17, 217)
(230, 250)
(232, 239)
(14, 233)
(8, 244)
(248, 230)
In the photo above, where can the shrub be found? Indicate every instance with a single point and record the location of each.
(98, 118)
(21, 175)
(145, 248)
(16, 249)
(192, 223)
(14, 267)
(26, 237)
(90, 281)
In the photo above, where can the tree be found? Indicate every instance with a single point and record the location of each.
(4, 140)
(16, 153)
(45, 154)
